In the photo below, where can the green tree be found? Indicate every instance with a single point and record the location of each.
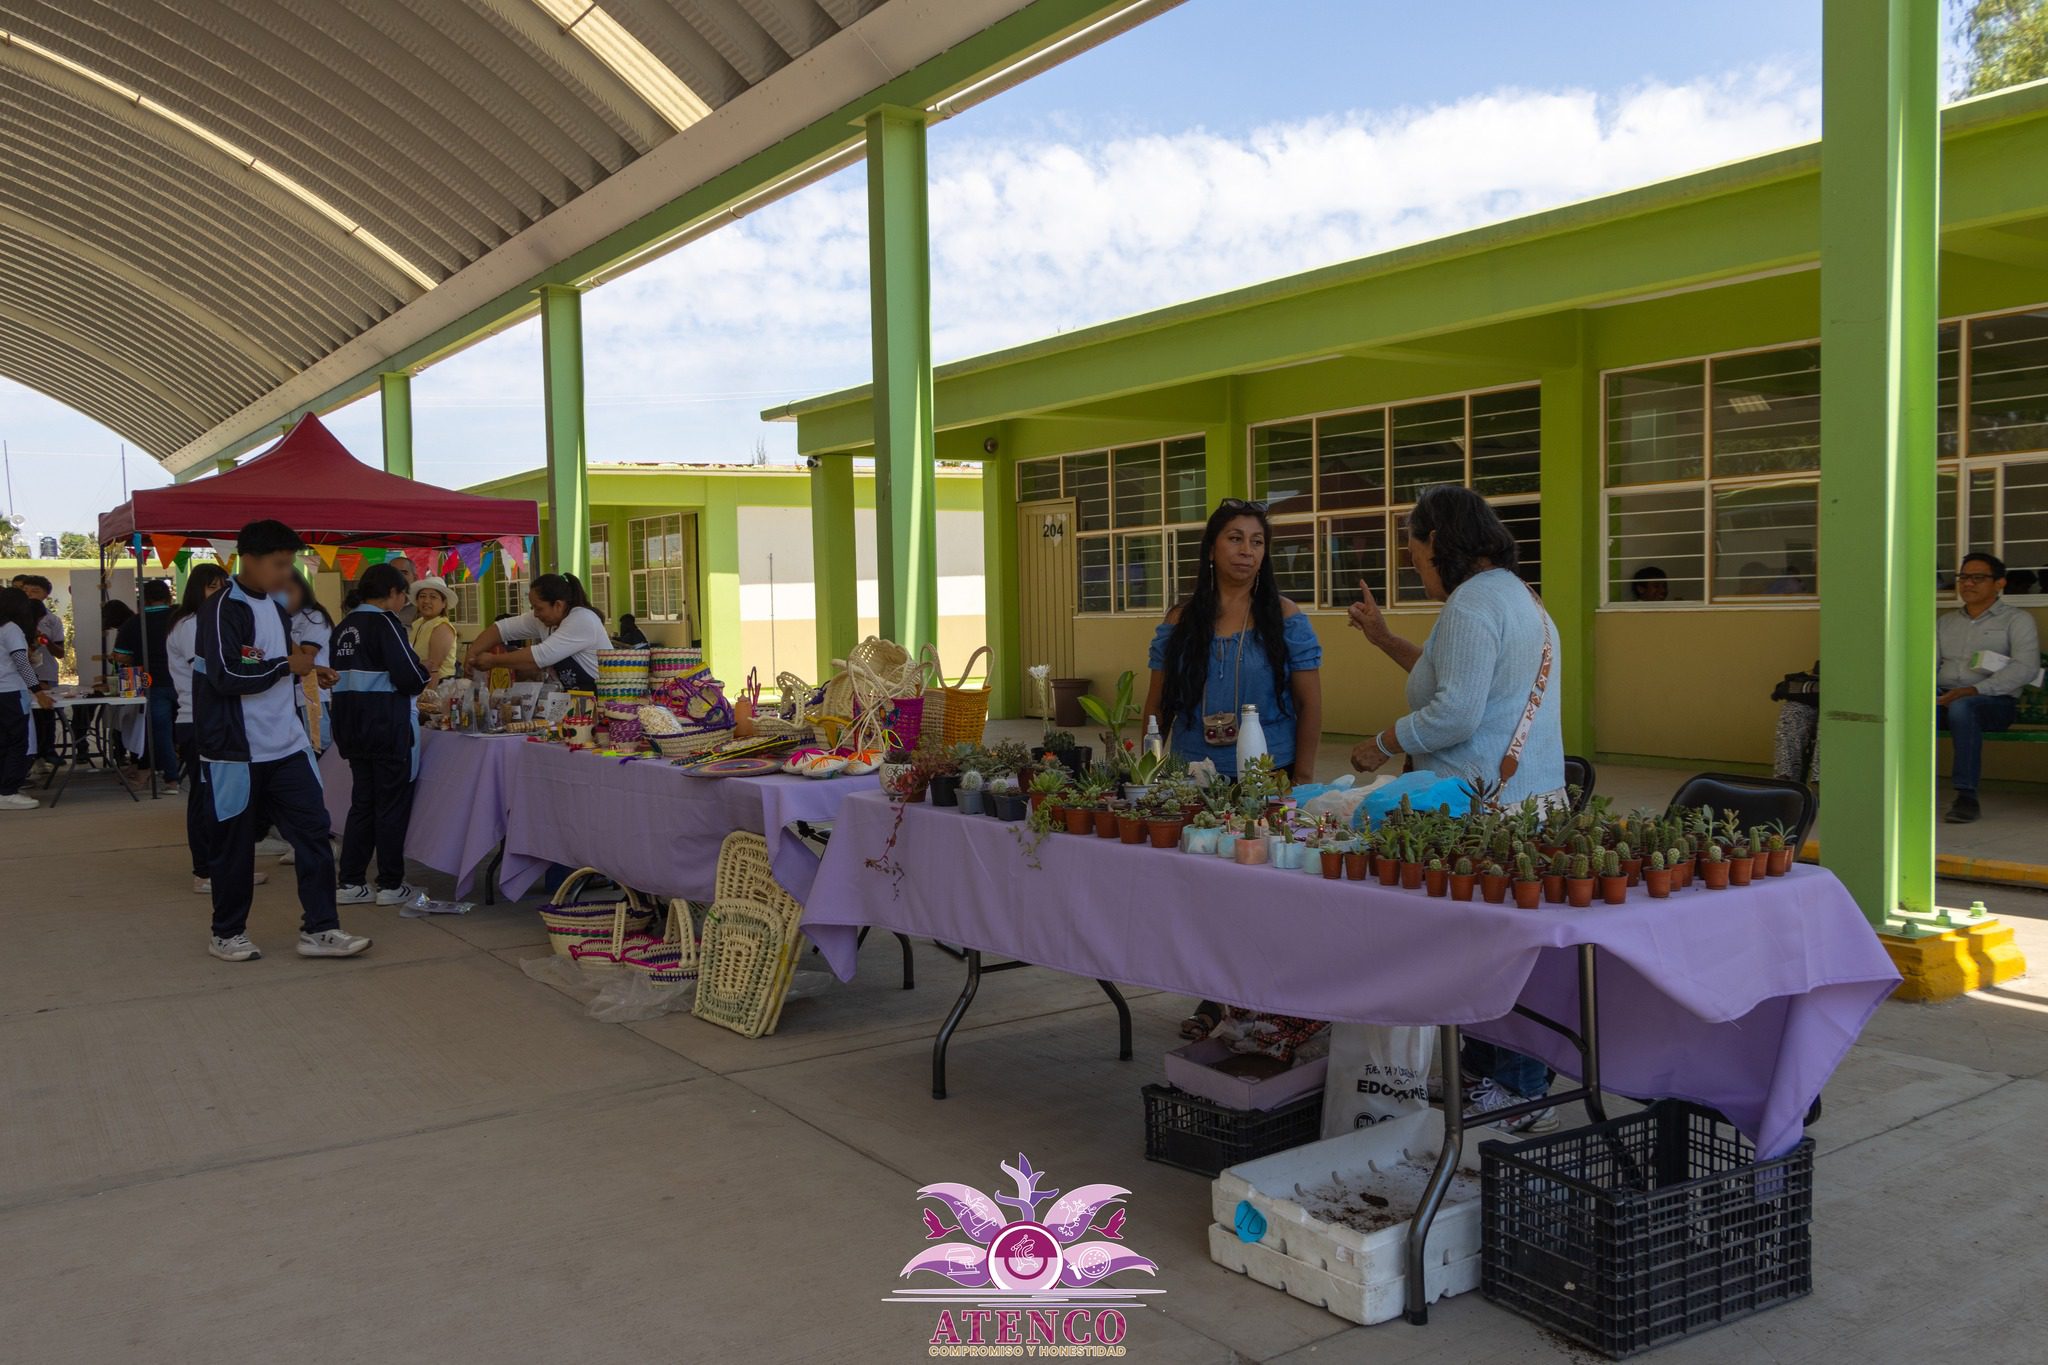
(12, 544)
(76, 545)
(2005, 43)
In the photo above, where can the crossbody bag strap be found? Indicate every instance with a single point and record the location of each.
(1511, 761)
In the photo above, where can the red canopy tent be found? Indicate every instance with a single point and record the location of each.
(310, 482)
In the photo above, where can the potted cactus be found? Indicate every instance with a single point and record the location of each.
(1614, 882)
(1579, 881)
(1631, 862)
(1201, 833)
(1493, 883)
(1741, 863)
(1436, 878)
(968, 794)
(1528, 885)
(1779, 861)
(1330, 853)
(1226, 836)
(1411, 862)
(1462, 878)
(1130, 824)
(1287, 853)
(1051, 784)
(1357, 859)
(1714, 867)
(1554, 876)
(1007, 802)
(1657, 876)
(1163, 820)
(1759, 853)
(1251, 847)
(1387, 855)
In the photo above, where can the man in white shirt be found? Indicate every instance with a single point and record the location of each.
(1989, 650)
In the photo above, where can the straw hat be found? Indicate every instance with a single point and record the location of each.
(434, 584)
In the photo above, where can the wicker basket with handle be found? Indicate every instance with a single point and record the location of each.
(956, 713)
(572, 921)
(751, 942)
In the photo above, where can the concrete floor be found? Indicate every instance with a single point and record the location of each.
(422, 1155)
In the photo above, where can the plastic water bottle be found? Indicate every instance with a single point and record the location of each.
(1155, 744)
(1251, 737)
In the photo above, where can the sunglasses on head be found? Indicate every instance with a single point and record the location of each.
(1241, 505)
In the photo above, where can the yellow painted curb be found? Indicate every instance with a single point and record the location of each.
(1944, 966)
(1958, 867)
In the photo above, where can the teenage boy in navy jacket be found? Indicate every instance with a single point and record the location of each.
(375, 710)
(254, 758)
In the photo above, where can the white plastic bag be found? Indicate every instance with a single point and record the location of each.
(1342, 799)
(1376, 1073)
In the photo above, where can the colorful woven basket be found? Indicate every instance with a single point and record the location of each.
(572, 921)
(956, 713)
(622, 723)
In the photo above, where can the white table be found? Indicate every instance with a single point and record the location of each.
(96, 732)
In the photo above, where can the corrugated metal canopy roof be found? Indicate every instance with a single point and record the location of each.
(204, 199)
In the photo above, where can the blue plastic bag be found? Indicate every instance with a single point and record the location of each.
(1424, 790)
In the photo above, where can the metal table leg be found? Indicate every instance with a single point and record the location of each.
(491, 870)
(1123, 1018)
(953, 1022)
(909, 966)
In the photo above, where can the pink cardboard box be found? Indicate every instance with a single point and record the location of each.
(1193, 1069)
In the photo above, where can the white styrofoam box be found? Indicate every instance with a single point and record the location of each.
(1364, 1304)
(1193, 1069)
(1375, 1158)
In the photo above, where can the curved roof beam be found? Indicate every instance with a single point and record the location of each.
(86, 346)
(99, 394)
(175, 130)
(194, 312)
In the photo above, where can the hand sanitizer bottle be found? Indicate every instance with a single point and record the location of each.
(1251, 737)
(1154, 743)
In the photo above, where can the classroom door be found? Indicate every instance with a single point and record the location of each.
(1045, 580)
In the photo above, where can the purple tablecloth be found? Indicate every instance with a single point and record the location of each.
(458, 808)
(649, 825)
(1745, 1000)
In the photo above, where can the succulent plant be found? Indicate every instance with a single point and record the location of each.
(1525, 868)
(1463, 868)
(1621, 851)
(1494, 869)
(1610, 866)
(1561, 865)
(1657, 863)
(1436, 864)
(1714, 853)
(1582, 867)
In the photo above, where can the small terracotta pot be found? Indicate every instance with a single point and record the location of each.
(1080, 820)
(1632, 868)
(1037, 800)
(1493, 890)
(1411, 876)
(1165, 833)
(1553, 888)
(1614, 890)
(1578, 891)
(1659, 882)
(1130, 827)
(1356, 865)
(1715, 875)
(1190, 810)
(1333, 864)
(1528, 895)
(1740, 870)
(1461, 887)
(1435, 880)
(1389, 870)
(1105, 822)
(1249, 851)
(1780, 861)
(1682, 873)
(1760, 865)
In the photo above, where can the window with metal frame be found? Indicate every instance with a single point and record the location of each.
(463, 600)
(656, 550)
(1338, 487)
(600, 586)
(1138, 513)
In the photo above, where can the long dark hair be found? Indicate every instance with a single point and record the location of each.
(195, 589)
(23, 610)
(308, 602)
(560, 587)
(1467, 530)
(1188, 647)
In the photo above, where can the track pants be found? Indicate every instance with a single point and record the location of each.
(286, 792)
(379, 809)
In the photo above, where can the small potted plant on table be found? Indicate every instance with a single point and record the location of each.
(1657, 876)
(1435, 878)
(1714, 868)
(1528, 886)
(1614, 882)
(1741, 863)
(1202, 833)
(1493, 884)
(1554, 878)
(1462, 878)
(1579, 882)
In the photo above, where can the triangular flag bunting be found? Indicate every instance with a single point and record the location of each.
(450, 565)
(472, 557)
(351, 562)
(224, 551)
(373, 555)
(515, 550)
(422, 560)
(184, 557)
(326, 553)
(484, 565)
(167, 548)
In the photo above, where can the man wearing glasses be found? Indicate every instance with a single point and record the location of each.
(1989, 651)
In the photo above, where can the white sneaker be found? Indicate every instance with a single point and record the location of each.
(203, 886)
(271, 847)
(287, 859)
(332, 943)
(358, 894)
(397, 895)
(1487, 1097)
(18, 801)
(236, 949)
(171, 789)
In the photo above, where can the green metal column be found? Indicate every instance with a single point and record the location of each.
(1228, 468)
(899, 285)
(1573, 558)
(718, 550)
(395, 391)
(1880, 183)
(1002, 598)
(835, 578)
(561, 346)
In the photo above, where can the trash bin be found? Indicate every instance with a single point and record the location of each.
(1066, 701)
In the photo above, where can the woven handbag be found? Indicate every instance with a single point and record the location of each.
(957, 714)
(571, 920)
(667, 960)
(751, 942)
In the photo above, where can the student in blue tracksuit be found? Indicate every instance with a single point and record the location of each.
(375, 710)
(255, 759)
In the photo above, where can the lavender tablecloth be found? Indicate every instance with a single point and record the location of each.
(458, 808)
(649, 825)
(1745, 1000)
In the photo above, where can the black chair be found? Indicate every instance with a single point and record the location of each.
(1579, 772)
(1756, 801)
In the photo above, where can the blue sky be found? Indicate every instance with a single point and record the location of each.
(1224, 142)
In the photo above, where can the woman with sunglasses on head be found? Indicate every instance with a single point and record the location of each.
(1483, 706)
(1236, 642)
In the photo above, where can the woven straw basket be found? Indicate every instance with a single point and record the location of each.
(750, 942)
(957, 714)
(593, 923)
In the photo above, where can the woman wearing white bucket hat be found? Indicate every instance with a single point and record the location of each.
(432, 634)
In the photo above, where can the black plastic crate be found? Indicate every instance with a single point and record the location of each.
(1627, 1234)
(1203, 1136)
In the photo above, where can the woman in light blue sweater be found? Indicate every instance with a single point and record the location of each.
(1490, 664)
